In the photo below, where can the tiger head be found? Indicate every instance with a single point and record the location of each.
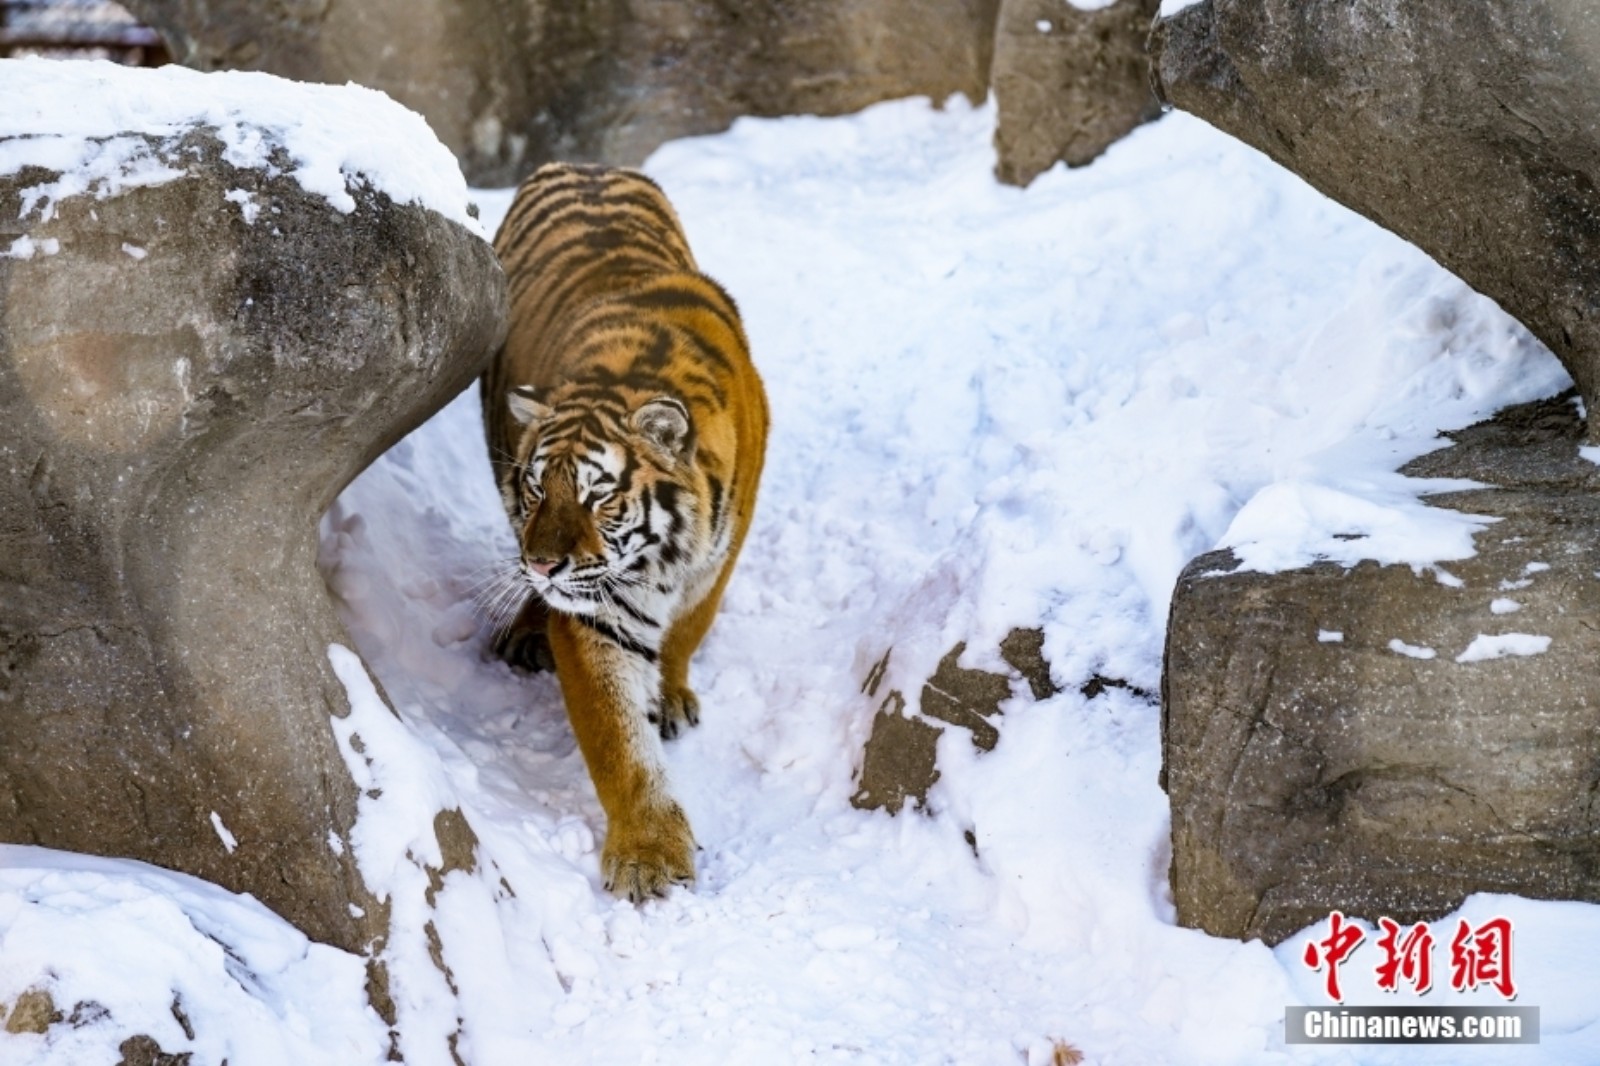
(606, 496)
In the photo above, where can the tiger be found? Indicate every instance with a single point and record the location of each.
(627, 428)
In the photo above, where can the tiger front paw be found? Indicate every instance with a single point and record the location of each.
(648, 853)
(677, 710)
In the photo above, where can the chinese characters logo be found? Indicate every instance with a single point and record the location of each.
(1479, 955)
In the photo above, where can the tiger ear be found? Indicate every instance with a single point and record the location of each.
(525, 405)
(664, 422)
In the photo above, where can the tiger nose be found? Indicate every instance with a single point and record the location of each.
(543, 566)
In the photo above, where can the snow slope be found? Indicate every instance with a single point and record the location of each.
(992, 408)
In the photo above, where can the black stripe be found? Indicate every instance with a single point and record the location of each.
(716, 357)
(634, 612)
(715, 486)
(655, 358)
(532, 202)
(623, 230)
(673, 296)
(621, 640)
(538, 190)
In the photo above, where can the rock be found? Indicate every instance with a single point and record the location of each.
(508, 86)
(1308, 773)
(1023, 651)
(142, 1050)
(182, 394)
(1068, 83)
(900, 761)
(901, 754)
(34, 1012)
(1465, 128)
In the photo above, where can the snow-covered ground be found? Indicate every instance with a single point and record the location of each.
(992, 408)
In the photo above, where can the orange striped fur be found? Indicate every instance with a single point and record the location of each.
(627, 427)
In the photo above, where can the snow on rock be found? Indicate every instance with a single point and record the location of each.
(26, 247)
(1294, 523)
(1412, 651)
(229, 841)
(123, 948)
(1498, 646)
(104, 128)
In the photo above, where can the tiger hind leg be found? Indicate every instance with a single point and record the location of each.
(525, 642)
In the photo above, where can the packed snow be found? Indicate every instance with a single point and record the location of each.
(1412, 651)
(105, 128)
(992, 408)
(1486, 646)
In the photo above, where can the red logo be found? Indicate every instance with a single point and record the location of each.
(1482, 956)
(1478, 955)
(1341, 941)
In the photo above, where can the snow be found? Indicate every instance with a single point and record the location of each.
(126, 947)
(249, 210)
(992, 408)
(26, 247)
(105, 128)
(1504, 605)
(1330, 636)
(1411, 651)
(229, 841)
(1497, 646)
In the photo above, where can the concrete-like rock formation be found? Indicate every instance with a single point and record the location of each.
(510, 84)
(1068, 83)
(1384, 742)
(1468, 129)
(190, 371)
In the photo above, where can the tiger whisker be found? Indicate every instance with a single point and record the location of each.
(493, 581)
(490, 573)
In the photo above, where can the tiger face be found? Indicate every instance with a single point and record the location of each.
(607, 505)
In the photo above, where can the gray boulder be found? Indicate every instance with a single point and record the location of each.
(1068, 83)
(182, 394)
(1448, 742)
(1466, 128)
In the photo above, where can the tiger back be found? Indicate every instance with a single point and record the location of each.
(627, 429)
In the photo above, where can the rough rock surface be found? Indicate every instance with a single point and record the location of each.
(1307, 773)
(1068, 83)
(900, 761)
(509, 84)
(1468, 129)
(182, 394)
